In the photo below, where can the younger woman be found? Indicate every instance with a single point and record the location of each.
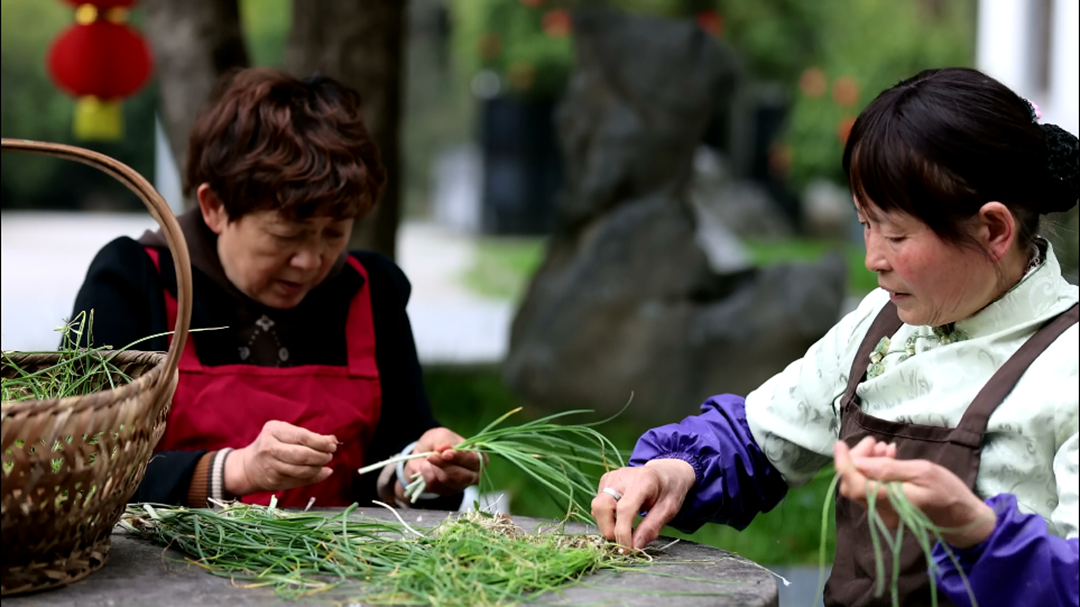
(958, 377)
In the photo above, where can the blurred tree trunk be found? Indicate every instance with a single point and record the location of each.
(194, 43)
(360, 43)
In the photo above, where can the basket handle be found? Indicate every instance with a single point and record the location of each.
(157, 207)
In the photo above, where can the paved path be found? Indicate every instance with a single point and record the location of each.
(44, 258)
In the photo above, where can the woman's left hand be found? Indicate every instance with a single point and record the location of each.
(446, 471)
(938, 493)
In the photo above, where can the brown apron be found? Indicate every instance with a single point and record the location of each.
(957, 449)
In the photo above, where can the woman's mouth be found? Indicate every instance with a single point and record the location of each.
(290, 287)
(897, 297)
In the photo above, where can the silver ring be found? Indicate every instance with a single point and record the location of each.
(612, 492)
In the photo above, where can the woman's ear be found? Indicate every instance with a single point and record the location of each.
(997, 229)
(213, 212)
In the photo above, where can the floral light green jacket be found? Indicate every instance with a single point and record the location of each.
(923, 377)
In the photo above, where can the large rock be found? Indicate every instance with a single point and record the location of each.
(744, 208)
(626, 300)
(828, 210)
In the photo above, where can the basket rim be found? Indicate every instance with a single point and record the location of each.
(12, 408)
(159, 210)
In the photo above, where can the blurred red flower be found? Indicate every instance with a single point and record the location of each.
(813, 83)
(556, 23)
(845, 91)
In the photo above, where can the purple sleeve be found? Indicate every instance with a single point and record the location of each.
(734, 481)
(1021, 563)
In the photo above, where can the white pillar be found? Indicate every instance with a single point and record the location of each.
(1003, 43)
(166, 173)
(1064, 93)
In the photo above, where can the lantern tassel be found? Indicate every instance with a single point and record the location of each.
(98, 119)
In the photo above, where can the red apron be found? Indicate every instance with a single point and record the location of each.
(227, 405)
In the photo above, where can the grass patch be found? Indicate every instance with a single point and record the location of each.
(465, 398)
(503, 266)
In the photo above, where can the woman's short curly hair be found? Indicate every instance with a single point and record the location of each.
(268, 141)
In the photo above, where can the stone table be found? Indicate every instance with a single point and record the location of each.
(141, 573)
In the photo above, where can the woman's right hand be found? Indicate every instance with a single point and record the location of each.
(660, 486)
(283, 456)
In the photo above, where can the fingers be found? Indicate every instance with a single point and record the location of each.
(659, 487)
(437, 439)
(888, 469)
(864, 448)
(857, 484)
(447, 480)
(284, 456)
(603, 510)
(649, 527)
(626, 510)
(852, 482)
(298, 455)
(640, 489)
(882, 449)
(443, 479)
(295, 435)
(447, 457)
(870, 447)
(280, 476)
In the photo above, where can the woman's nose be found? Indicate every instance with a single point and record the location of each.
(306, 259)
(875, 261)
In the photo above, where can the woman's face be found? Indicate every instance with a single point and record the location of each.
(273, 260)
(931, 281)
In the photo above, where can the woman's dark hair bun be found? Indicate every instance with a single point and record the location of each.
(1063, 164)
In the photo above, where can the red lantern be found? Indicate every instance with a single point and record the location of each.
(100, 60)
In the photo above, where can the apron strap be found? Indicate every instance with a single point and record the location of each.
(886, 324)
(188, 358)
(1005, 379)
(360, 328)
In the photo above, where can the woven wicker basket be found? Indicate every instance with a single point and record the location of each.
(59, 504)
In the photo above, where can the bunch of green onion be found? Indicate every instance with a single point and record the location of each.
(567, 460)
(473, 559)
(911, 520)
(79, 369)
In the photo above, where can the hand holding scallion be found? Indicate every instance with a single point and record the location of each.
(660, 486)
(283, 456)
(963, 518)
(445, 470)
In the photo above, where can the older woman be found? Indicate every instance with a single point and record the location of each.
(957, 378)
(315, 371)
